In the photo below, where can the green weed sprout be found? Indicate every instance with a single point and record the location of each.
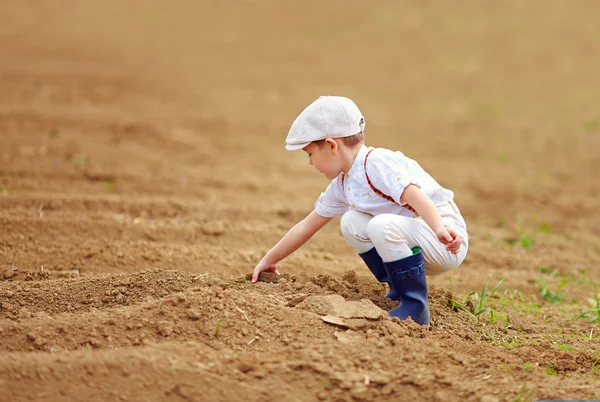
(524, 395)
(479, 302)
(552, 297)
(592, 315)
(592, 125)
(562, 347)
(544, 228)
(524, 240)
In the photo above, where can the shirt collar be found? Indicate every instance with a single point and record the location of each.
(359, 162)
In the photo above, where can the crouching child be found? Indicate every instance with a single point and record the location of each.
(400, 220)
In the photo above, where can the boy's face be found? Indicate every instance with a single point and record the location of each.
(324, 157)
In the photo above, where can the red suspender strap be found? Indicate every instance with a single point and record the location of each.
(376, 191)
(387, 197)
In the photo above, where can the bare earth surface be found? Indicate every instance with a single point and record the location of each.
(143, 175)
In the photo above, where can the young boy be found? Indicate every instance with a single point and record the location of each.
(398, 218)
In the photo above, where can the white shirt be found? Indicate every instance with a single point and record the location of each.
(390, 172)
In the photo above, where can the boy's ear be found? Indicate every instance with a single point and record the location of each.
(332, 144)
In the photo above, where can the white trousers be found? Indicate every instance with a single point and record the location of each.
(394, 236)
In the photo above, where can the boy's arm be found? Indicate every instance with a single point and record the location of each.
(296, 237)
(417, 199)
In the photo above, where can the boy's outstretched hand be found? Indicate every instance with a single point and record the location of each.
(262, 267)
(450, 238)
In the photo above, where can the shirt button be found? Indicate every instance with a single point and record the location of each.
(398, 179)
(348, 188)
(369, 195)
(353, 206)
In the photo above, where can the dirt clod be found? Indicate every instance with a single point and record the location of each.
(296, 299)
(337, 321)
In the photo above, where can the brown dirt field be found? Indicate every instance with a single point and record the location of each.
(143, 175)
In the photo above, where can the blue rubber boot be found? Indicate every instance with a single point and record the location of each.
(407, 276)
(375, 265)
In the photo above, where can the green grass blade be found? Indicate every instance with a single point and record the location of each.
(463, 308)
(485, 310)
(497, 287)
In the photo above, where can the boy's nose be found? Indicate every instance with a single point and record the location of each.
(310, 162)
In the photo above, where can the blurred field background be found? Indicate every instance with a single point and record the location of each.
(150, 134)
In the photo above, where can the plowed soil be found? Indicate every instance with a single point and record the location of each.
(143, 175)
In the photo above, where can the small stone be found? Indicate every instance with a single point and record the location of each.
(379, 379)
(193, 314)
(165, 328)
(178, 298)
(247, 364)
(95, 342)
(360, 393)
(387, 389)
(39, 343)
(296, 300)
(213, 228)
(9, 273)
(347, 385)
(9, 293)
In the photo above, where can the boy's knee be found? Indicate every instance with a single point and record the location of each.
(439, 268)
(354, 224)
(443, 262)
(345, 224)
(387, 227)
(376, 229)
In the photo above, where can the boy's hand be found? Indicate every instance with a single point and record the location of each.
(296, 237)
(450, 238)
(262, 267)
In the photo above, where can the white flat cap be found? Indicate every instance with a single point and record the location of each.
(327, 117)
